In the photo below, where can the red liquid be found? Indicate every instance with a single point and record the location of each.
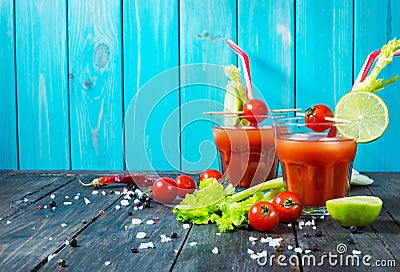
(247, 154)
(316, 169)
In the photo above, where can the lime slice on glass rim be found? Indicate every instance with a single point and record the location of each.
(354, 210)
(368, 114)
(233, 103)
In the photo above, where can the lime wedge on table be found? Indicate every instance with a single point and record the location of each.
(234, 100)
(354, 210)
(368, 113)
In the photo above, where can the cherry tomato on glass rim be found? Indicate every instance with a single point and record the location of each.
(164, 190)
(255, 111)
(289, 206)
(315, 117)
(185, 185)
(210, 173)
(263, 216)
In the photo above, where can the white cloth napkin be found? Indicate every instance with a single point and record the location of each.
(359, 179)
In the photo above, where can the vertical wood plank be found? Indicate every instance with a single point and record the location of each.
(323, 51)
(95, 84)
(151, 97)
(266, 33)
(375, 24)
(42, 84)
(205, 27)
(8, 111)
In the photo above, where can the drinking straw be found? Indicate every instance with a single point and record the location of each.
(246, 66)
(368, 64)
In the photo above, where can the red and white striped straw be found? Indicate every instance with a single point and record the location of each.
(368, 64)
(246, 66)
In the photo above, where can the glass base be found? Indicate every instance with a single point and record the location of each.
(315, 211)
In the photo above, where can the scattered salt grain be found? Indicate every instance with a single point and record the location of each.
(146, 245)
(307, 251)
(186, 226)
(95, 192)
(193, 243)
(252, 239)
(218, 234)
(87, 201)
(298, 250)
(250, 251)
(8, 222)
(314, 227)
(301, 223)
(66, 197)
(50, 238)
(140, 207)
(165, 239)
(52, 196)
(289, 225)
(117, 207)
(63, 225)
(289, 247)
(322, 216)
(136, 221)
(356, 252)
(117, 192)
(215, 250)
(76, 197)
(124, 202)
(103, 193)
(141, 235)
(67, 203)
(150, 222)
(107, 263)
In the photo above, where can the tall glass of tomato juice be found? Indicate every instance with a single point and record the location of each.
(247, 153)
(314, 166)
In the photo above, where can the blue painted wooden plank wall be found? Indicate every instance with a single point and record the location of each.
(76, 73)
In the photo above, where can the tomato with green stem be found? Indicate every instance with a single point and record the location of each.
(289, 206)
(263, 216)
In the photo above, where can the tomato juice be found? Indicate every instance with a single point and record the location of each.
(247, 154)
(316, 167)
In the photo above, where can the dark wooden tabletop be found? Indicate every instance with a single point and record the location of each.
(33, 236)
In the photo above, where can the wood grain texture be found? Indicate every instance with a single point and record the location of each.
(323, 51)
(266, 33)
(376, 24)
(8, 111)
(205, 27)
(95, 84)
(41, 59)
(151, 97)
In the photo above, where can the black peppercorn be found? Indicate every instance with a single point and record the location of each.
(134, 250)
(130, 213)
(73, 242)
(307, 234)
(174, 235)
(353, 229)
(52, 203)
(318, 234)
(350, 240)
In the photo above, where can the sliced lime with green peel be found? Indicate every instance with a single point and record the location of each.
(235, 97)
(368, 114)
(354, 210)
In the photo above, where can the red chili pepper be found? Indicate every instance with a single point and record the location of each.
(128, 179)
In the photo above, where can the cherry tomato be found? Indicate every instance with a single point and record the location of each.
(263, 216)
(185, 185)
(315, 117)
(289, 206)
(255, 111)
(164, 190)
(210, 173)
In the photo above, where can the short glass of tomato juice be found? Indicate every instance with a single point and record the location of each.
(315, 165)
(246, 153)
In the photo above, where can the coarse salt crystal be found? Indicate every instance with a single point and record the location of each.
(136, 221)
(76, 197)
(289, 247)
(250, 251)
(215, 250)
(124, 202)
(141, 235)
(193, 243)
(218, 233)
(8, 222)
(52, 196)
(322, 216)
(63, 225)
(50, 238)
(146, 245)
(298, 250)
(165, 239)
(150, 222)
(117, 207)
(186, 226)
(289, 225)
(66, 197)
(107, 263)
(314, 227)
(252, 239)
(117, 192)
(356, 252)
(103, 193)
(67, 203)
(301, 223)
(307, 251)
(95, 192)
(87, 201)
